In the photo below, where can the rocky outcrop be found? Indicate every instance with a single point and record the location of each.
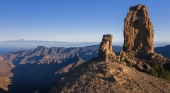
(105, 49)
(138, 30)
(138, 64)
(138, 48)
(123, 74)
(110, 77)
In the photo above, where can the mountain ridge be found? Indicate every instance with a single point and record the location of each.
(49, 63)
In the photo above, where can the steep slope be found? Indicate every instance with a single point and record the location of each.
(73, 62)
(109, 77)
(30, 78)
(5, 73)
(40, 68)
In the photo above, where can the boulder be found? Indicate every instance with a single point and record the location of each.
(143, 66)
(130, 62)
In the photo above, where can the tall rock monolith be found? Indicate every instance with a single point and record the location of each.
(138, 30)
(105, 49)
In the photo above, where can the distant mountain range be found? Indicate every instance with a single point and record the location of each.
(43, 67)
(161, 50)
(165, 51)
(33, 43)
(40, 69)
(21, 43)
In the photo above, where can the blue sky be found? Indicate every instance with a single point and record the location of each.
(76, 20)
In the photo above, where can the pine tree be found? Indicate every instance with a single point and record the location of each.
(167, 75)
(154, 70)
(160, 72)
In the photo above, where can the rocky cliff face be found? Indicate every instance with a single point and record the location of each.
(105, 49)
(138, 30)
(138, 40)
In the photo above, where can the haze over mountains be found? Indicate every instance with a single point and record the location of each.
(34, 43)
(22, 44)
(33, 67)
(45, 64)
(87, 67)
(14, 45)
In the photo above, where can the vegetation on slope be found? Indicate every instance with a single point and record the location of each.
(160, 72)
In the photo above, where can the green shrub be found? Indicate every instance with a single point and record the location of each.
(110, 57)
(160, 72)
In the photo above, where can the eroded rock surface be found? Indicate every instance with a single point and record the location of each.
(138, 30)
(109, 77)
(105, 49)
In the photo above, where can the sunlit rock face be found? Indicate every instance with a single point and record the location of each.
(138, 30)
(105, 49)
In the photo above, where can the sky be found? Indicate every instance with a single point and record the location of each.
(76, 20)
